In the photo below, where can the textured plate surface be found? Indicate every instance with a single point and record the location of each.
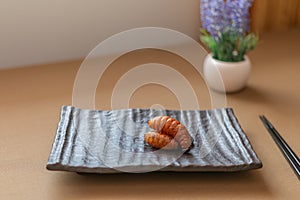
(112, 141)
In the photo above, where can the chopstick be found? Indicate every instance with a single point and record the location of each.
(288, 153)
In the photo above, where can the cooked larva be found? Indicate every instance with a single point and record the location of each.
(171, 127)
(158, 140)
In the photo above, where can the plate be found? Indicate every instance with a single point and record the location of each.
(112, 141)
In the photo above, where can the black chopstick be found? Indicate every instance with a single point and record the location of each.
(288, 153)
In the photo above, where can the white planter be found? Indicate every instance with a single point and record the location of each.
(226, 76)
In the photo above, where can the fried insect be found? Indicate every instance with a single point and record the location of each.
(171, 127)
(158, 140)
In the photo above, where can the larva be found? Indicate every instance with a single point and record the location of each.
(159, 140)
(171, 127)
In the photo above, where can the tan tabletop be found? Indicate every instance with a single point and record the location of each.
(31, 99)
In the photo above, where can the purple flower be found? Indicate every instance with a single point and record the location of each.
(218, 16)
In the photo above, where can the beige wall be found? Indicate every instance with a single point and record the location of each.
(43, 31)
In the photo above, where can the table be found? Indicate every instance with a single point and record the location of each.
(31, 99)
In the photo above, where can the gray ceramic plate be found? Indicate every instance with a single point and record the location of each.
(112, 141)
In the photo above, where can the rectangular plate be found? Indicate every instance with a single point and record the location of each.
(112, 141)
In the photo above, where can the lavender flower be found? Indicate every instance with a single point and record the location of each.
(225, 27)
(220, 15)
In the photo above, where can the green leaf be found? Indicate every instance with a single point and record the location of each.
(228, 42)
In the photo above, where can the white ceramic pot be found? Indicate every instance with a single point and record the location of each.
(226, 76)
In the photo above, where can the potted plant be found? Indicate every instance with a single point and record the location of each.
(225, 32)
